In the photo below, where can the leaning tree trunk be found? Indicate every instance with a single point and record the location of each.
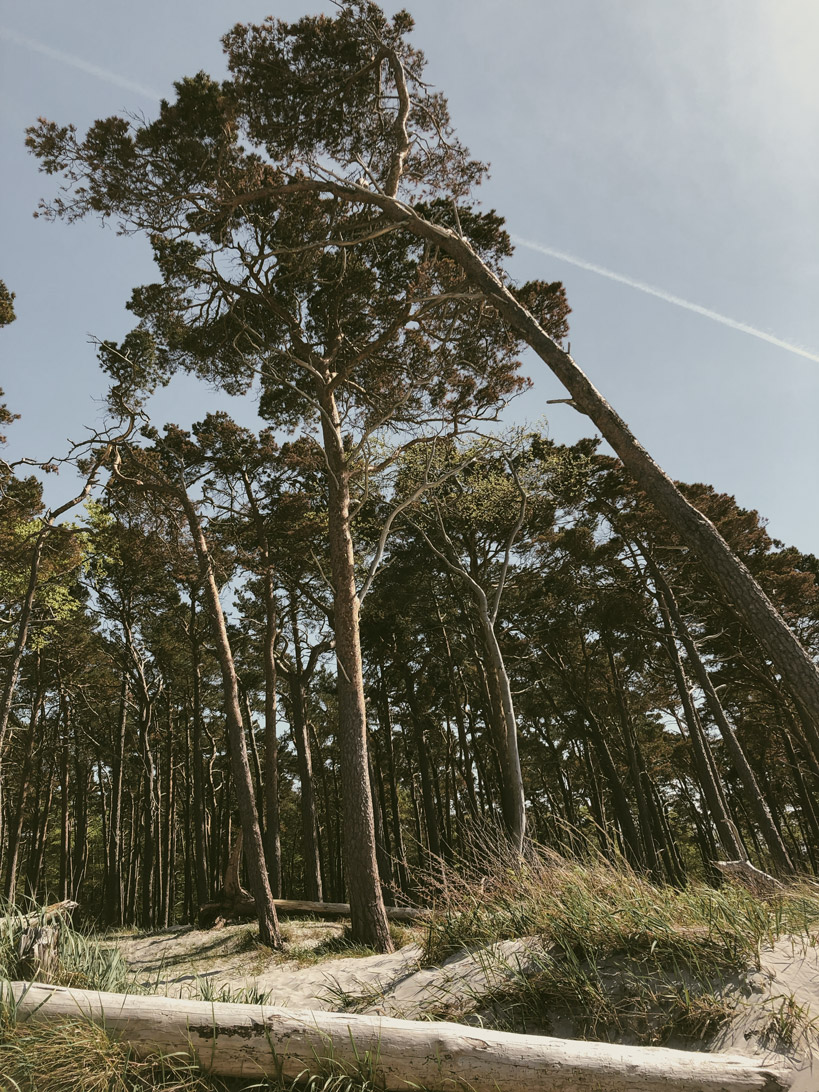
(240, 767)
(732, 576)
(708, 775)
(20, 642)
(368, 919)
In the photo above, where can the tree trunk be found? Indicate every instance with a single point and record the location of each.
(16, 823)
(301, 740)
(273, 847)
(649, 848)
(35, 864)
(425, 769)
(200, 861)
(729, 573)
(21, 638)
(706, 770)
(65, 844)
(753, 794)
(386, 732)
(369, 922)
(240, 767)
(112, 898)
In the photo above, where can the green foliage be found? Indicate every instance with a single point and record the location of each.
(7, 314)
(83, 961)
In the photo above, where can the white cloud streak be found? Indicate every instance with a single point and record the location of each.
(668, 297)
(78, 63)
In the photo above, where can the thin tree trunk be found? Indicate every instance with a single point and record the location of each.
(649, 848)
(425, 769)
(708, 776)
(240, 767)
(200, 865)
(112, 898)
(273, 848)
(298, 724)
(16, 823)
(149, 809)
(753, 794)
(35, 868)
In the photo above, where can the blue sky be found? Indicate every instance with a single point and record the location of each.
(673, 144)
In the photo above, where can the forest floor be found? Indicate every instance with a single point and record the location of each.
(769, 1011)
(319, 969)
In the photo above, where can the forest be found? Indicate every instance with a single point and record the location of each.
(389, 626)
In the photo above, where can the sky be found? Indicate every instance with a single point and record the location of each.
(661, 159)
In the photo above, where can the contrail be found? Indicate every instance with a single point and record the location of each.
(669, 297)
(78, 62)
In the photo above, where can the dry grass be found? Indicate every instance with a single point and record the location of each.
(618, 958)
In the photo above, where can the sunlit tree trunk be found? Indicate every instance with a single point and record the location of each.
(368, 918)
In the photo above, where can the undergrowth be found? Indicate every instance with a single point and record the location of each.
(82, 961)
(612, 955)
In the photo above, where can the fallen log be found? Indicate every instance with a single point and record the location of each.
(230, 1040)
(757, 881)
(246, 908)
(40, 917)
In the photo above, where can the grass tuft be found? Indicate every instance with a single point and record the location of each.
(615, 956)
(82, 961)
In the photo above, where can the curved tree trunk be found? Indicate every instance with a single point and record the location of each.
(730, 574)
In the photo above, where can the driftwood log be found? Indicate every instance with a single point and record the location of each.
(743, 872)
(231, 1040)
(246, 908)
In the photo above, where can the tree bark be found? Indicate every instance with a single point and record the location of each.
(240, 767)
(16, 824)
(112, 897)
(273, 847)
(706, 770)
(301, 740)
(200, 860)
(231, 1040)
(754, 797)
(369, 922)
